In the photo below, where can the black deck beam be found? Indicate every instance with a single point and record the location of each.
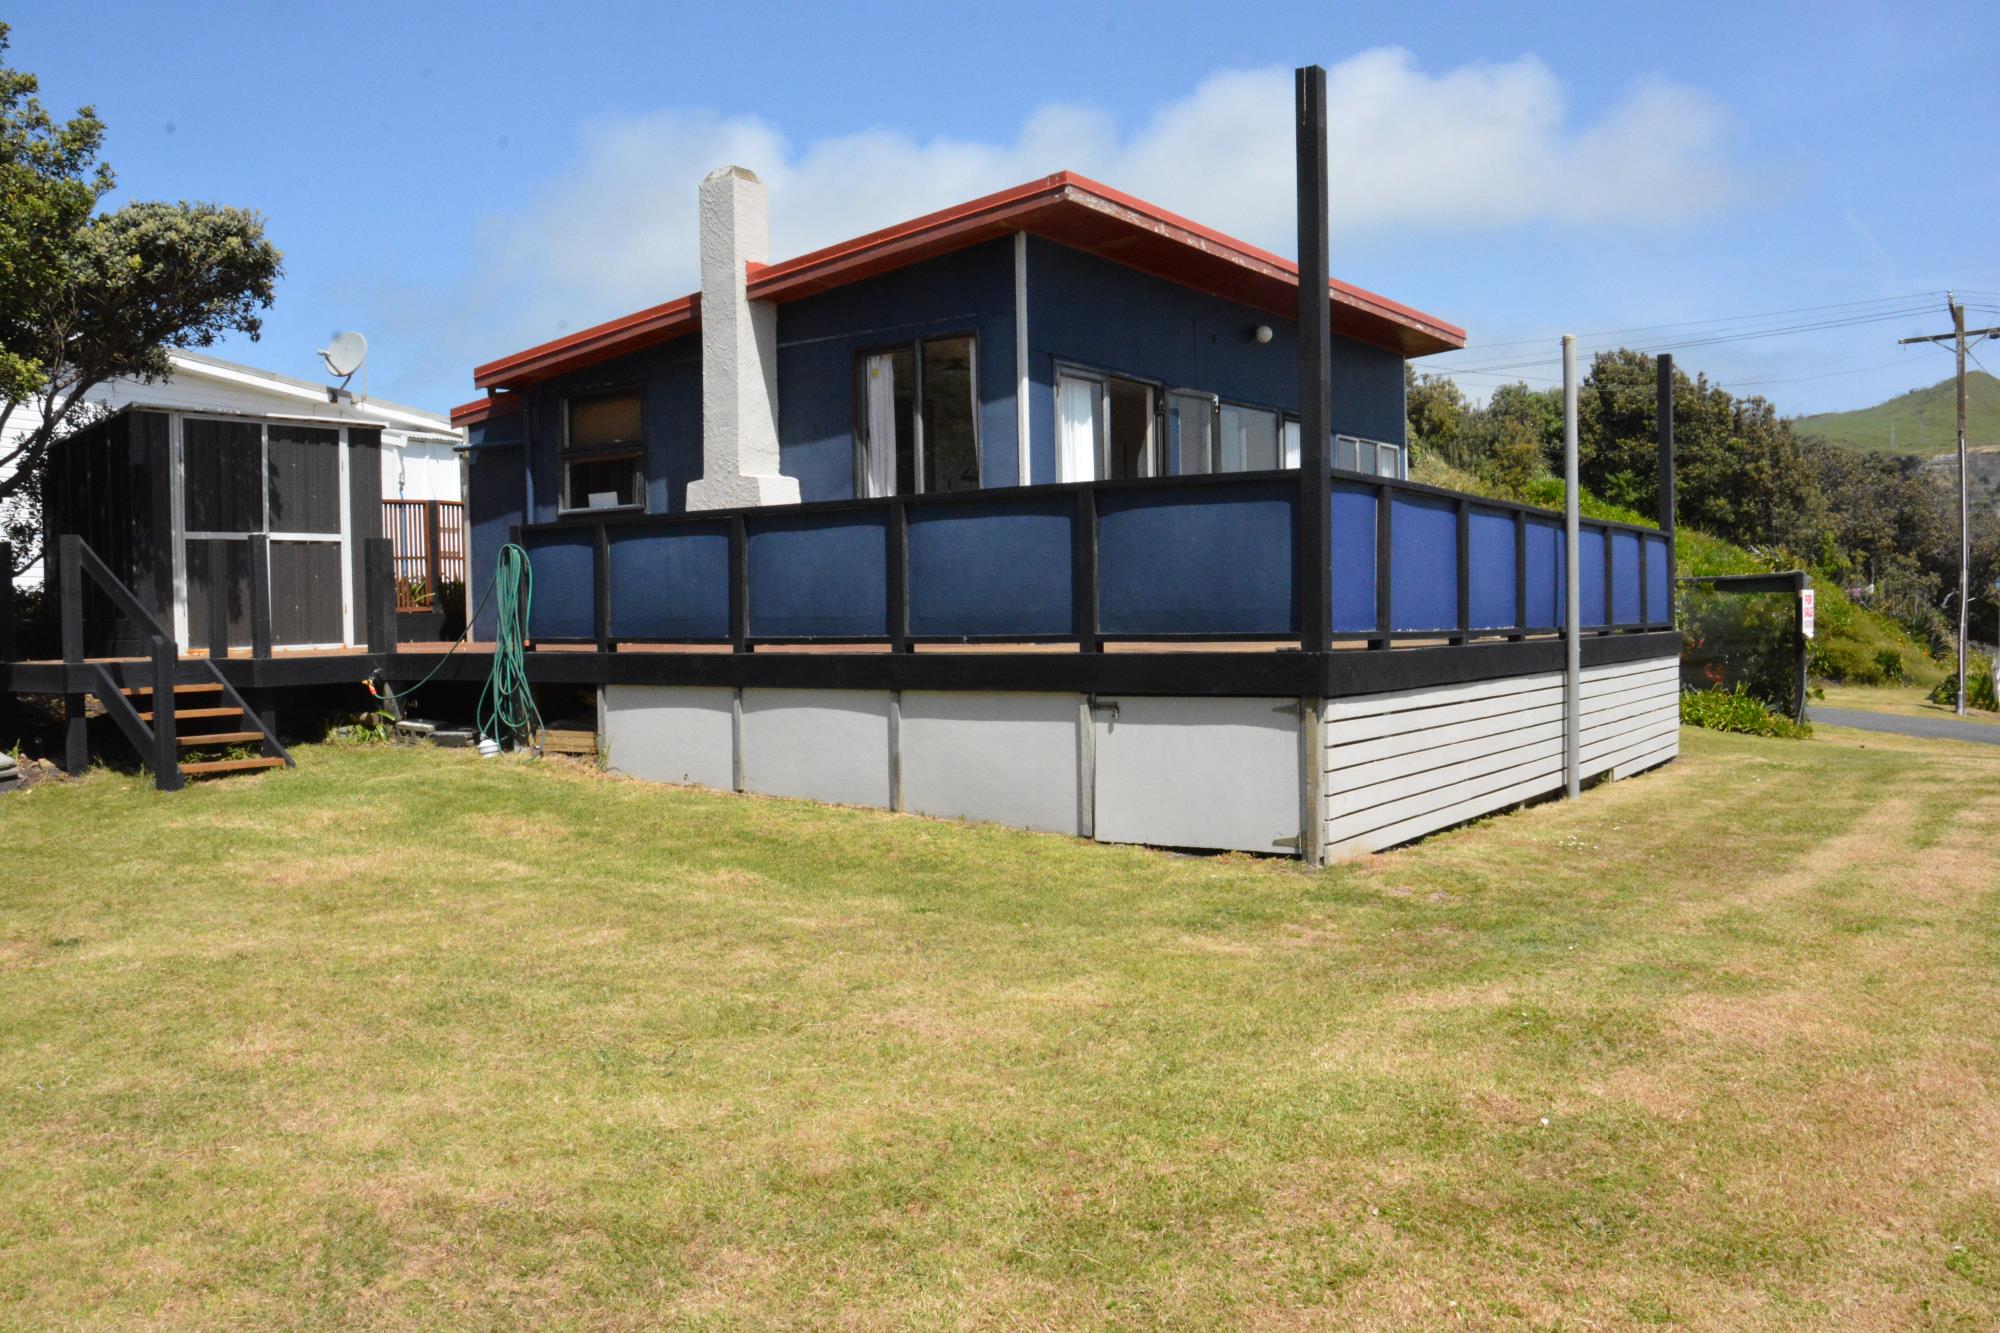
(1338, 673)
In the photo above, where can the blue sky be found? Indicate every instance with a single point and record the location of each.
(460, 181)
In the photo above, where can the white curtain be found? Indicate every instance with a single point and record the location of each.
(879, 473)
(1077, 412)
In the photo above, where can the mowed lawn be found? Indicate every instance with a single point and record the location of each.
(408, 1039)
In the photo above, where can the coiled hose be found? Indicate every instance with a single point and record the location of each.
(507, 709)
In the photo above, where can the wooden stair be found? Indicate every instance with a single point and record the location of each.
(188, 709)
(210, 767)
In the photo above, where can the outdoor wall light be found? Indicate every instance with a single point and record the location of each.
(1262, 333)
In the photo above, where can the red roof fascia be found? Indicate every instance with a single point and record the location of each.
(483, 409)
(596, 343)
(1067, 208)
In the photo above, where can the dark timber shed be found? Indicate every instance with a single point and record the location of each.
(173, 501)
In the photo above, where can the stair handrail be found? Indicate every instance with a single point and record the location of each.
(78, 560)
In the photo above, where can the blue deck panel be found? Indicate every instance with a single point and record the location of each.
(564, 568)
(1625, 592)
(819, 576)
(991, 567)
(1170, 562)
(672, 584)
(1353, 582)
(1659, 578)
(1490, 583)
(1423, 563)
(1590, 575)
(1546, 574)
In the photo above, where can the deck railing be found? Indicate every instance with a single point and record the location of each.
(428, 541)
(1209, 558)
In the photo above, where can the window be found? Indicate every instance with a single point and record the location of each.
(1291, 441)
(602, 439)
(1375, 458)
(1191, 431)
(1106, 427)
(918, 426)
(1248, 439)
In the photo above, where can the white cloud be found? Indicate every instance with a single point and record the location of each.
(1478, 147)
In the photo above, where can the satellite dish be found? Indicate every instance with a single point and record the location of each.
(344, 355)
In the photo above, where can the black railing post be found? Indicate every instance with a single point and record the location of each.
(70, 590)
(1083, 571)
(76, 728)
(260, 595)
(1464, 571)
(218, 598)
(600, 589)
(166, 740)
(10, 641)
(378, 596)
(431, 527)
(1313, 530)
(1385, 584)
(1668, 498)
(899, 576)
(739, 584)
(1520, 575)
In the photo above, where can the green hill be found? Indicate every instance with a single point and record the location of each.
(1920, 423)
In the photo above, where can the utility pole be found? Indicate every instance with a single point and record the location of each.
(1957, 335)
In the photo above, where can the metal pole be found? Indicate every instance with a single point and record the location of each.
(1315, 534)
(1964, 510)
(1572, 577)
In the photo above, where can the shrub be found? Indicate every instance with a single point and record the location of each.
(1890, 662)
(1978, 686)
(1737, 710)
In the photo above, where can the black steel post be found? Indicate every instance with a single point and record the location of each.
(1665, 422)
(166, 741)
(1083, 571)
(260, 595)
(76, 728)
(899, 576)
(218, 598)
(1668, 496)
(1314, 533)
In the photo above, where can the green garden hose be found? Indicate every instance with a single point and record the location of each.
(507, 709)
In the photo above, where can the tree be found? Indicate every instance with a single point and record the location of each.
(87, 297)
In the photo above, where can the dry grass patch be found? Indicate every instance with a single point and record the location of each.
(1713, 1048)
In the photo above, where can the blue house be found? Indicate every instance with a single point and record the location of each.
(998, 513)
(1055, 332)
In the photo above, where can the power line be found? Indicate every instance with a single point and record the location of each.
(1813, 326)
(1926, 297)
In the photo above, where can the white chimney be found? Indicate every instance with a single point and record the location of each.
(739, 352)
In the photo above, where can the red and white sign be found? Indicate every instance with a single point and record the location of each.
(1806, 612)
